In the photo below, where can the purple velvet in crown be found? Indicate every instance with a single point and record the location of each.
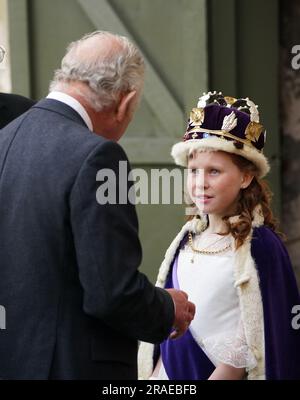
(213, 120)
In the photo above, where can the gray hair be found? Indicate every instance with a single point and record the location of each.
(120, 69)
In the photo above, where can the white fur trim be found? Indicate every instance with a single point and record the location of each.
(145, 360)
(198, 225)
(180, 151)
(258, 217)
(247, 284)
(170, 254)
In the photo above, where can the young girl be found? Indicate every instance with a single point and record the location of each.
(228, 257)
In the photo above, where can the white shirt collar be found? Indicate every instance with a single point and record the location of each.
(70, 101)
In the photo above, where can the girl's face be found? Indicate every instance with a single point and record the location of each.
(214, 182)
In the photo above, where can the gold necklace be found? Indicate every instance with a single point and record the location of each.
(203, 251)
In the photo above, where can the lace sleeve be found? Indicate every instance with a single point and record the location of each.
(230, 348)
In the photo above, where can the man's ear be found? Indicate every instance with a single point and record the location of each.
(125, 105)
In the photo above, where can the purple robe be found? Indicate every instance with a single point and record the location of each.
(184, 359)
(279, 295)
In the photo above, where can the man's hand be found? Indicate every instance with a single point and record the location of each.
(184, 312)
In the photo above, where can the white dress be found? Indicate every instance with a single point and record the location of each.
(209, 282)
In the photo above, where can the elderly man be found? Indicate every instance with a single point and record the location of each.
(76, 304)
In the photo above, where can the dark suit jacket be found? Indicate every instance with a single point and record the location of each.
(75, 301)
(11, 106)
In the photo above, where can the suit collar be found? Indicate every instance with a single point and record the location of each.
(74, 103)
(60, 108)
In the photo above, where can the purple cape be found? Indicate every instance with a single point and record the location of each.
(279, 295)
(184, 359)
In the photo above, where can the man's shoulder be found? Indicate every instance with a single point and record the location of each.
(12, 106)
(54, 125)
(10, 99)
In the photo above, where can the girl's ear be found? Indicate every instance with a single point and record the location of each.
(247, 179)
